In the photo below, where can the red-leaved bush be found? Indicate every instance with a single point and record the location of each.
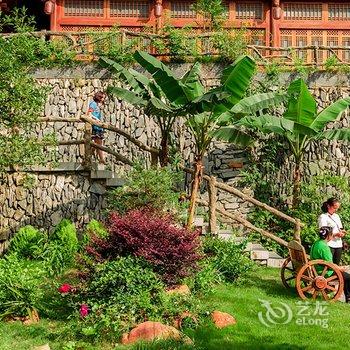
(172, 251)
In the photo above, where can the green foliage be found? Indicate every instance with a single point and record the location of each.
(28, 243)
(181, 43)
(153, 188)
(121, 294)
(300, 125)
(228, 258)
(206, 278)
(212, 11)
(230, 44)
(62, 247)
(21, 290)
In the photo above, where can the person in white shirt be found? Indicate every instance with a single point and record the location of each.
(329, 217)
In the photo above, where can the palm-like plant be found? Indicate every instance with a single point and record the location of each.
(163, 96)
(209, 113)
(300, 125)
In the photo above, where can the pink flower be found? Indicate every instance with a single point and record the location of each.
(65, 288)
(84, 310)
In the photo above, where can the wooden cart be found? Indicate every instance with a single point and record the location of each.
(299, 272)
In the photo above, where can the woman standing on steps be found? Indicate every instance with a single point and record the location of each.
(94, 112)
(329, 217)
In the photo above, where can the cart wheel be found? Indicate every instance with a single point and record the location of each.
(311, 284)
(288, 274)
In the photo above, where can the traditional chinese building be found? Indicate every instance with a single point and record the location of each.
(279, 23)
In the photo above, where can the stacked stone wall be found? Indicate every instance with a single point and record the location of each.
(57, 195)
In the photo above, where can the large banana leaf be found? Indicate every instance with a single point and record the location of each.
(330, 114)
(233, 135)
(258, 102)
(123, 73)
(237, 77)
(334, 135)
(191, 83)
(267, 124)
(301, 104)
(128, 96)
(171, 87)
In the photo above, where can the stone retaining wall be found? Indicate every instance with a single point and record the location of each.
(57, 195)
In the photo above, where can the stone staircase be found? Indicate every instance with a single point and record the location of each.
(257, 252)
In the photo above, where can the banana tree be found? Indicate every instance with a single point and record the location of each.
(163, 96)
(300, 125)
(208, 114)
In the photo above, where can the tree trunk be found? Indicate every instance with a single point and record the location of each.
(164, 150)
(296, 184)
(198, 172)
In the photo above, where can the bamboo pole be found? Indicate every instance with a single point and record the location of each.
(212, 190)
(246, 223)
(118, 156)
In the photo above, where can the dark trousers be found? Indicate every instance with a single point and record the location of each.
(336, 252)
(346, 276)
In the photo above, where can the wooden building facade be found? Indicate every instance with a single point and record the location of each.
(277, 23)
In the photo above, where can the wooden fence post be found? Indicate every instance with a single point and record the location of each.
(297, 229)
(212, 190)
(87, 146)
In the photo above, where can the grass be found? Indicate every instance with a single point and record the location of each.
(242, 301)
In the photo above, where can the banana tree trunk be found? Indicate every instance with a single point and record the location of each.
(198, 172)
(164, 150)
(296, 184)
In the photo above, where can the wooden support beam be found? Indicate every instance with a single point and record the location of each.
(212, 190)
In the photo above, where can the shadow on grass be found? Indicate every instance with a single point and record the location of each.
(272, 286)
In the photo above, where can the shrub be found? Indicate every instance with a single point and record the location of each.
(228, 258)
(21, 283)
(63, 245)
(28, 243)
(147, 188)
(172, 251)
(120, 294)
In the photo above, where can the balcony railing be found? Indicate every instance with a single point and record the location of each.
(90, 45)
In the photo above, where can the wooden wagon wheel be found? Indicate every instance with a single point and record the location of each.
(288, 274)
(311, 284)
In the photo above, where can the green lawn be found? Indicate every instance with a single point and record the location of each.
(241, 301)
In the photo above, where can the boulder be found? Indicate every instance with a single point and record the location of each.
(222, 319)
(42, 347)
(183, 290)
(151, 331)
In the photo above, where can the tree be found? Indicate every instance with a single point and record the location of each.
(21, 99)
(212, 11)
(299, 126)
(209, 115)
(163, 96)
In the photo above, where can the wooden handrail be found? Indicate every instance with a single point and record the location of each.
(247, 198)
(118, 156)
(121, 132)
(246, 223)
(58, 119)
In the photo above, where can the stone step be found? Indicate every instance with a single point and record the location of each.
(103, 174)
(275, 262)
(259, 254)
(115, 182)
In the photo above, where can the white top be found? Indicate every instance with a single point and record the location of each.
(333, 220)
